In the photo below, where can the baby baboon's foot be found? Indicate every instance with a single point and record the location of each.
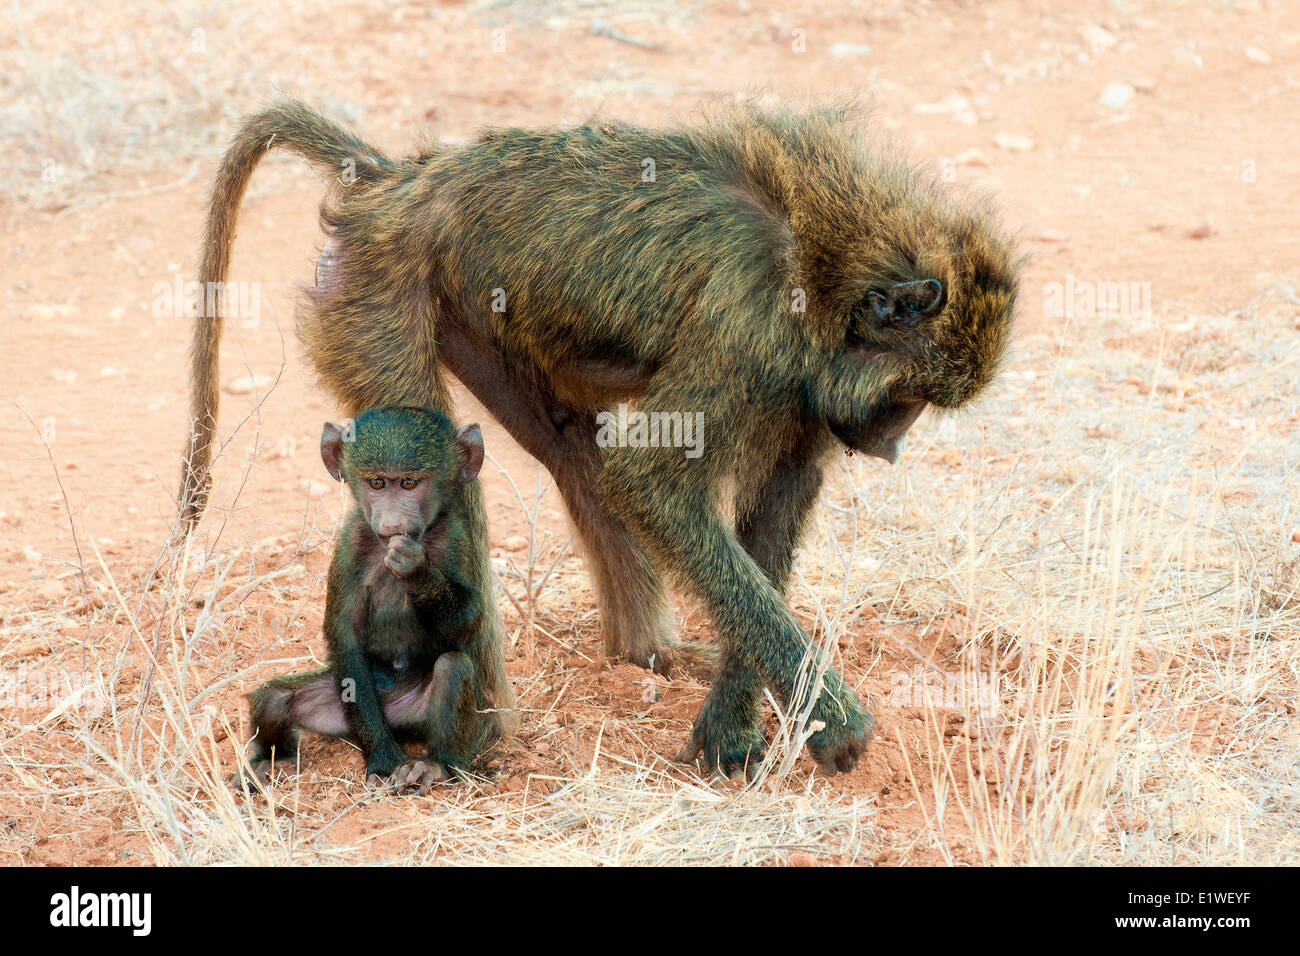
(838, 746)
(421, 775)
(724, 744)
(260, 773)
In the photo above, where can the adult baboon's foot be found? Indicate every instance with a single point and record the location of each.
(260, 773)
(640, 638)
(699, 659)
(844, 739)
(724, 742)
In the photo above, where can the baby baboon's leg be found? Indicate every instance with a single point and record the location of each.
(442, 711)
(629, 589)
(282, 707)
(457, 731)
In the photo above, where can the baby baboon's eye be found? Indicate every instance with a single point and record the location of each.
(409, 483)
(379, 484)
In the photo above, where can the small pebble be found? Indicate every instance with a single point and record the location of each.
(1013, 142)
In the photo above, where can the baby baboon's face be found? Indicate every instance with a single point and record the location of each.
(394, 503)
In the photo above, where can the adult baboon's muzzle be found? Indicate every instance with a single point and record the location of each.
(885, 433)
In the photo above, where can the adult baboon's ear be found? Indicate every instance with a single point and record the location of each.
(907, 303)
(469, 446)
(881, 305)
(331, 450)
(914, 301)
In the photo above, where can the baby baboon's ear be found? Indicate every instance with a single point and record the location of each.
(469, 446)
(331, 449)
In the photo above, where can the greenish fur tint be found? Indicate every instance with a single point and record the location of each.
(392, 438)
(766, 203)
(390, 435)
(400, 437)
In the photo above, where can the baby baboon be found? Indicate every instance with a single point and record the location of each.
(408, 658)
(764, 270)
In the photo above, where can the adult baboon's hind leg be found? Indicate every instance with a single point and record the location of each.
(629, 589)
(372, 344)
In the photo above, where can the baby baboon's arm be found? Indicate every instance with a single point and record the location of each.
(345, 610)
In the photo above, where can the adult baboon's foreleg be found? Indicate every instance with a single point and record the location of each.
(671, 506)
(772, 517)
(768, 526)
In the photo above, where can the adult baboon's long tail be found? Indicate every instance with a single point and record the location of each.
(288, 125)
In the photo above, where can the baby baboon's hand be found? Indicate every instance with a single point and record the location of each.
(405, 555)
